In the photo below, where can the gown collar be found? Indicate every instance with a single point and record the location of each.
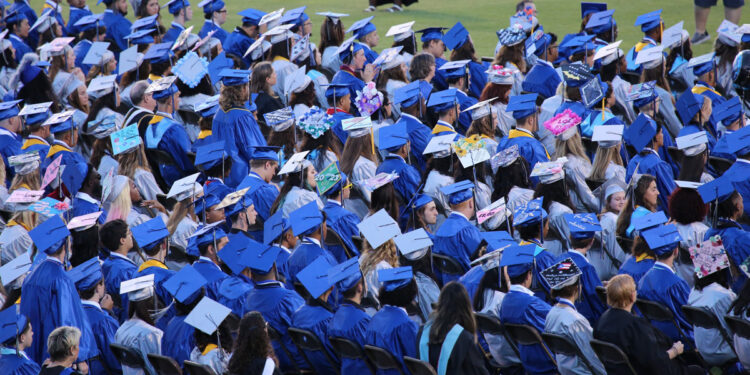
(118, 255)
(91, 303)
(521, 289)
(579, 253)
(567, 302)
(661, 265)
(313, 240)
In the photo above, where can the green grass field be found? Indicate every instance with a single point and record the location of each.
(481, 17)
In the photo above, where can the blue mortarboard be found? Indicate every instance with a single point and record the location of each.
(206, 202)
(531, 213)
(518, 259)
(522, 106)
(538, 41)
(601, 21)
(456, 36)
(458, 192)
(431, 33)
(346, 275)
(260, 257)
(408, 95)
(348, 48)
(392, 137)
(208, 233)
(265, 153)
(337, 90)
(50, 235)
(738, 142)
(209, 155)
(542, 79)
(9, 109)
(649, 20)
(141, 37)
(73, 179)
(362, 27)
(443, 100)
(648, 221)
(89, 22)
(59, 124)
(688, 105)
(293, 16)
(455, 69)
(149, 22)
(497, 240)
(274, 227)
(217, 65)
(11, 324)
(175, 6)
(151, 233)
(159, 53)
(646, 98)
(235, 253)
(662, 239)
(717, 190)
(87, 274)
(210, 6)
(234, 77)
(640, 133)
(185, 286)
(394, 278)
(422, 200)
(579, 44)
(582, 225)
(306, 219)
(251, 16)
(727, 112)
(38, 118)
(315, 278)
(14, 15)
(588, 8)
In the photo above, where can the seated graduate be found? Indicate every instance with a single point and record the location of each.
(350, 320)
(244, 35)
(458, 78)
(395, 140)
(338, 219)
(215, 13)
(520, 306)
(50, 296)
(279, 233)
(704, 69)
(457, 237)
(524, 111)
(340, 102)
(695, 112)
(646, 347)
(645, 135)
(15, 336)
(531, 224)
(354, 70)
(252, 348)
(66, 138)
(212, 349)
(264, 163)
(412, 99)
(215, 164)
(308, 223)
(234, 288)
(316, 314)
(85, 201)
(452, 331)
(97, 305)
(564, 319)
(739, 145)
(182, 13)
(730, 114)
(210, 240)
(390, 328)
(583, 227)
(139, 331)
(187, 288)
(739, 308)
(446, 106)
(116, 237)
(643, 199)
(269, 297)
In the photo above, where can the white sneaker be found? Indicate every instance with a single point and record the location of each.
(370, 9)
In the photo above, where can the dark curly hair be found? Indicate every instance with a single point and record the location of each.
(686, 206)
(252, 343)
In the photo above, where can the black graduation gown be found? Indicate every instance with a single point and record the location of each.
(645, 346)
(466, 358)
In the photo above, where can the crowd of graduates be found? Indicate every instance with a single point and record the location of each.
(249, 202)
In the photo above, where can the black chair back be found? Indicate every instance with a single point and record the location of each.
(594, 184)
(307, 341)
(349, 349)
(610, 354)
(491, 325)
(334, 239)
(164, 365)
(417, 367)
(194, 368)
(562, 345)
(130, 357)
(720, 165)
(275, 336)
(739, 326)
(704, 318)
(675, 153)
(382, 359)
(658, 312)
(524, 334)
(447, 265)
(601, 292)
(626, 244)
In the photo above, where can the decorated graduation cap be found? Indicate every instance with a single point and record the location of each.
(315, 278)
(640, 133)
(728, 112)
(709, 257)
(688, 105)
(692, 141)
(163, 87)
(518, 259)
(522, 106)
(529, 214)
(582, 226)
(662, 239)
(505, 157)
(345, 275)
(234, 77)
(361, 28)
(210, 155)
(643, 94)
(185, 286)
(395, 278)
(378, 228)
(649, 21)
(458, 192)
(139, 288)
(456, 36)
(511, 36)
(500, 75)
(608, 136)
(150, 233)
(550, 171)
(702, 64)
(25, 163)
(393, 137)
(431, 33)
(9, 109)
(330, 180)
(50, 235)
(455, 69)
(87, 274)
(315, 122)
(306, 219)
(410, 94)
(12, 324)
(576, 74)
(561, 274)
(601, 22)
(563, 125)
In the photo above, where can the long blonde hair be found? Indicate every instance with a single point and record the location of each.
(182, 209)
(132, 161)
(31, 180)
(572, 146)
(601, 162)
(26, 217)
(120, 208)
(371, 257)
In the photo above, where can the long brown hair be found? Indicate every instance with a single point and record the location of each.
(453, 307)
(571, 146)
(292, 179)
(252, 343)
(601, 161)
(636, 199)
(371, 257)
(396, 73)
(132, 161)
(656, 74)
(482, 127)
(353, 149)
(465, 52)
(57, 64)
(182, 209)
(331, 34)
(261, 72)
(511, 54)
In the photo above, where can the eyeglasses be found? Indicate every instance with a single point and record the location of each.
(221, 11)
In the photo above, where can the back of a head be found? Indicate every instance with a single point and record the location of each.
(252, 342)
(453, 307)
(61, 342)
(620, 291)
(138, 92)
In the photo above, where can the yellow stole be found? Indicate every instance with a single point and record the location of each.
(701, 89)
(151, 263)
(13, 222)
(154, 77)
(204, 134)
(277, 58)
(55, 148)
(644, 256)
(155, 119)
(439, 128)
(209, 348)
(515, 133)
(32, 142)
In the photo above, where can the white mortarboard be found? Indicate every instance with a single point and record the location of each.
(95, 54)
(650, 57)
(295, 163)
(31, 109)
(692, 144)
(185, 184)
(44, 21)
(16, 268)
(688, 184)
(549, 172)
(101, 86)
(57, 46)
(409, 243)
(66, 84)
(379, 228)
(139, 288)
(607, 50)
(727, 33)
(297, 81)
(207, 315)
(488, 261)
(672, 36)
(401, 31)
(59, 117)
(255, 49)
(161, 84)
(4, 43)
(335, 17)
(702, 59)
(129, 59)
(271, 17)
(388, 58)
(440, 144)
(24, 196)
(480, 109)
(280, 33)
(84, 222)
(355, 123)
(231, 198)
(608, 135)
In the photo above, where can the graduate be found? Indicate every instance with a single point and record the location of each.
(234, 288)
(264, 162)
(85, 201)
(354, 70)
(182, 13)
(210, 240)
(139, 331)
(456, 39)
(316, 314)
(564, 319)
(739, 145)
(367, 34)
(445, 104)
(276, 303)
(695, 114)
(651, 25)
(78, 10)
(150, 237)
(646, 137)
(704, 69)
(413, 101)
(50, 298)
(116, 237)
(18, 24)
(390, 328)
(38, 133)
(117, 25)
(350, 320)
(10, 129)
(215, 13)
(187, 289)
(395, 140)
(308, 223)
(661, 283)
(244, 35)
(583, 228)
(457, 237)
(16, 335)
(730, 114)
(342, 221)
(340, 101)
(520, 306)
(524, 111)
(97, 304)
(532, 225)
(166, 134)
(432, 43)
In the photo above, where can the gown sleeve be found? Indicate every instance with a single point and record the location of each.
(248, 134)
(577, 181)
(177, 143)
(105, 334)
(67, 311)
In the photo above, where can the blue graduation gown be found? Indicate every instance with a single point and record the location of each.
(213, 275)
(174, 31)
(75, 15)
(635, 268)
(239, 131)
(50, 300)
(739, 172)
(457, 238)
(178, 340)
(662, 285)
(237, 44)
(69, 158)
(305, 253)
(588, 304)
(315, 317)
(369, 54)
(233, 292)
(648, 162)
(735, 240)
(708, 91)
(439, 80)
(355, 84)
(23, 7)
(392, 330)
(528, 147)
(277, 304)
(10, 144)
(117, 28)
(13, 364)
(478, 78)
(344, 223)
(263, 195)
(419, 136)
(464, 118)
(35, 144)
(84, 207)
(407, 183)
(471, 279)
(117, 269)
(80, 50)
(721, 149)
(209, 26)
(542, 260)
(520, 308)
(104, 327)
(337, 127)
(350, 322)
(161, 275)
(169, 136)
(20, 46)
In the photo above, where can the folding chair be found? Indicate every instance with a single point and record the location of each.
(417, 367)
(306, 341)
(349, 349)
(720, 165)
(524, 334)
(601, 292)
(194, 368)
(702, 317)
(564, 346)
(658, 312)
(275, 336)
(447, 265)
(382, 359)
(164, 365)
(334, 239)
(130, 357)
(610, 354)
(739, 326)
(492, 325)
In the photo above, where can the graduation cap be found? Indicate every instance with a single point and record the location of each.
(252, 16)
(394, 278)
(642, 94)
(431, 33)
(410, 94)
(458, 192)
(505, 157)
(261, 257)
(702, 64)
(641, 132)
(651, 57)
(401, 31)
(234, 77)
(14, 15)
(159, 53)
(102, 85)
(608, 136)
(191, 69)
(140, 37)
(175, 6)
(688, 184)
(265, 153)
(561, 274)
(389, 58)
(73, 178)
(315, 122)
(211, 6)
(456, 36)
(185, 285)
(150, 233)
(648, 221)
(337, 90)
(582, 226)
(306, 219)
(522, 106)
(129, 59)
(549, 172)
(377, 181)
(144, 23)
(510, 36)
(45, 20)
(97, 53)
(209, 107)
(530, 213)
(692, 142)
(688, 105)
(274, 227)
(292, 16)
(649, 20)
(163, 87)
(236, 252)
(330, 180)
(672, 36)
(443, 100)
(662, 239)
(13, 270)
(315, 278)
(12, 324)
(589, 8)
(362, 28)
(87, 274)
(295, 163)
(518, 259)
(579, 44)
(378, 228)
(592, 92)
(279, 33)
(271, 17)
(728, 112)
(9, 109)
(480, 109)
(220, 63)
(50, 235)
(413, 245)
(600, 22)
(738, 142)
(717, 190)
(85, 221)
(335, 17)
(209, 155)
(184, 186)
(498, 240)
(348, 48)
(608, 50)
(455, 69)
(345, 275)
(576, 74)
(440, 145)
(207, 315)
(393, 137)
(542, 80)
(709, 257)
(57, 46)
